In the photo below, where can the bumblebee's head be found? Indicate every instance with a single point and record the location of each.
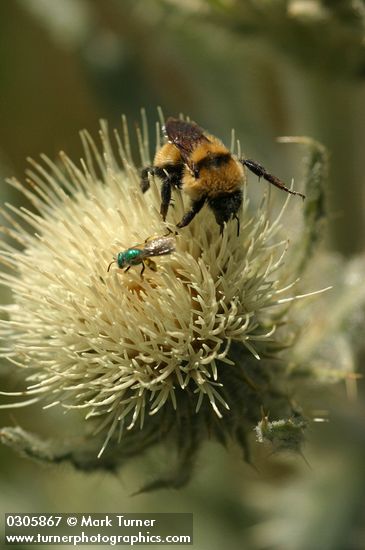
(225, 207)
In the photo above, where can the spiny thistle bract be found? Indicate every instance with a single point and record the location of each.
(195, 350)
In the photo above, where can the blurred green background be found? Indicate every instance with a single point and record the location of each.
(267, 68)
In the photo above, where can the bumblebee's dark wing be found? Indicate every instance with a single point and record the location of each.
(159, 246)
(184, 135)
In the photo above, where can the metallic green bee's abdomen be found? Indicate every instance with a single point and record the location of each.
(129, 257)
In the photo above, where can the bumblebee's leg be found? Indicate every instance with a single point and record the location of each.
(260, 171)
(196, 206)
(142, 270)
(145, 182)
(165, 198)
(127, 269)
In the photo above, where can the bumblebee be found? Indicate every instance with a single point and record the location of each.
(202, 166)
(141, 253)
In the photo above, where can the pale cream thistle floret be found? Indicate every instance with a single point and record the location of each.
(113, 344)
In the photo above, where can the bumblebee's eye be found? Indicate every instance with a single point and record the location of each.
(196, 173)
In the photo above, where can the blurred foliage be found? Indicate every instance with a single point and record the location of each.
(266, 68)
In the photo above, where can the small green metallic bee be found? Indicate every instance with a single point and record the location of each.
(141, 253)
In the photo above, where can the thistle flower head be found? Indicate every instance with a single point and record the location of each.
(188, 343)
